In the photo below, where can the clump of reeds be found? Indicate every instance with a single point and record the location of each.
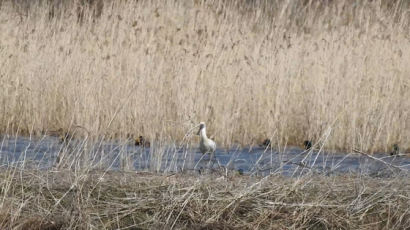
(33, 199)
(283, 70)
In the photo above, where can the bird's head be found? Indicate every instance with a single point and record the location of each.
(201, 126)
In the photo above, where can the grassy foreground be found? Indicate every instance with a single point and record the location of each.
(33, 199)
(284, 70)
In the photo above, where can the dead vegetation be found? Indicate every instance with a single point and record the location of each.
(282, 70)
(120, 200)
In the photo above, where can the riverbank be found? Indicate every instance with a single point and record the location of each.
(128, 200)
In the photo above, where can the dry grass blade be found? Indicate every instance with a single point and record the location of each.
(379, 160)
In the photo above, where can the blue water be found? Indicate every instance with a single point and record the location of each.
(43, 153)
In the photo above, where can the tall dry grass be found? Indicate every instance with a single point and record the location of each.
(287, 70)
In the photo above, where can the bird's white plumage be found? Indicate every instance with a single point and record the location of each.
(206, 145)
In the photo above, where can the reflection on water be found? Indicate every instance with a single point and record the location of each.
(43, 153)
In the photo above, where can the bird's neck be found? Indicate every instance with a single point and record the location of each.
(203, 134)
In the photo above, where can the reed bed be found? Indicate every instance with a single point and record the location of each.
(283, 70)
(33, 199)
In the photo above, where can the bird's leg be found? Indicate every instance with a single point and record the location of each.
(211, 159)
(199, 161)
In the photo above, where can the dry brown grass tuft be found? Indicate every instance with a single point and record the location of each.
(284, 70)
(117, 200)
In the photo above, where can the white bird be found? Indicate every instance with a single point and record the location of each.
(206, 145)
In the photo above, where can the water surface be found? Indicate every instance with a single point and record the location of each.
(44, 152)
